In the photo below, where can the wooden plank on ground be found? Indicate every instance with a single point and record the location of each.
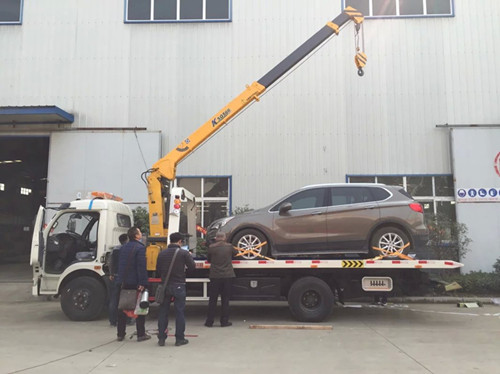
(292, 327)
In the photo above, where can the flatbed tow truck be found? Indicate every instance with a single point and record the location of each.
(311, 286)
(69, 254)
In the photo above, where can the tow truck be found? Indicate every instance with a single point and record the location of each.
(69, 254)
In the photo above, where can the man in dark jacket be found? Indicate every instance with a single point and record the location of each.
(114, 260)
(176, 287)
(132, 274)
(221, 275)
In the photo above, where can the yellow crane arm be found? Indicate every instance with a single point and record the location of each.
(164, 170)
(167, 165)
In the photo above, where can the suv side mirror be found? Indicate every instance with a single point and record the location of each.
(285, 207)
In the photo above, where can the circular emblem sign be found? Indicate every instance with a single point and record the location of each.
(497, 164)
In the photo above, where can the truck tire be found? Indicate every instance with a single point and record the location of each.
(83, 299)
(249, 239)
(310, 299)
(391, 239)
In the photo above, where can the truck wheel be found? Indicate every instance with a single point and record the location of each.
(390, 239)
(310, 299)
(249, 239)
(83, 299)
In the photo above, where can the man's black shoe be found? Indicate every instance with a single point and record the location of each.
(120, 338)
(226, 324)
(143, 338)
(208, 324)
(161, 342)
(181, 342)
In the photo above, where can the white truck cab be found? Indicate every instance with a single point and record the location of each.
(70, 253)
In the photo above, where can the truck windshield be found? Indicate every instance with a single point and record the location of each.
(72, 238)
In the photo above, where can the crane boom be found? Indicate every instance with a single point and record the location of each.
(164, 170)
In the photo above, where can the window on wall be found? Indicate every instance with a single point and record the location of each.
(25, 191)
(177, 10)
(402, 8)
(212, 197)
(435, 192)
(10, 11)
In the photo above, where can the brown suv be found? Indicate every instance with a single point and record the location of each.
(330, 219)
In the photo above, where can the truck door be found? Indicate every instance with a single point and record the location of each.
(37, 248)
(43, 282)
(36, 258)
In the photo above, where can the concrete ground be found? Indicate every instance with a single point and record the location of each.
(36, 337)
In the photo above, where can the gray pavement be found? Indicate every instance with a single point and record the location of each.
(36, 337)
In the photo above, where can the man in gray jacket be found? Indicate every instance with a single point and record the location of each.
(221, 276)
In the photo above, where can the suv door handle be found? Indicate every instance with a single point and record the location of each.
(316, 213)
(371, 207)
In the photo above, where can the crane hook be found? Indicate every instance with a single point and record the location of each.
(360, 57)
(360, 60)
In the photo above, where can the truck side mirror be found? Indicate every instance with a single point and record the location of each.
(285, 207)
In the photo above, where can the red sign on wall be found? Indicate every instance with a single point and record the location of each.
(497, 164)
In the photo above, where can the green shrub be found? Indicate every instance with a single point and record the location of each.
(496, 266)
(141, 219)
(448, 239)
(201, 247)
(477, 283)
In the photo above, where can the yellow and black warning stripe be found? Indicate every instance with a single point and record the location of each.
(334, 27)
(353, 264)
(354, 14)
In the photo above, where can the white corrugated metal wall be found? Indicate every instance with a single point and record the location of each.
(114, 165)
(474, 170)
(318, 125)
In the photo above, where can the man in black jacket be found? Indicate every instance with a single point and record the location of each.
(132, 274)
(176, 288)
(114, 260)
(221, 275)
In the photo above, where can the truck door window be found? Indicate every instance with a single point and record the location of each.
(123, 220)
(73, 237)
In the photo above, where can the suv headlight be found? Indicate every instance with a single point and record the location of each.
(219, 223)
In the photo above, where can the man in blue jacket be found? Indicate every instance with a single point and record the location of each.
(132, 274)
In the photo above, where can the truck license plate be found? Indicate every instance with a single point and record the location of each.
(376, 283)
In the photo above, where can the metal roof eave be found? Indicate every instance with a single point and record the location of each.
(33, 115)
